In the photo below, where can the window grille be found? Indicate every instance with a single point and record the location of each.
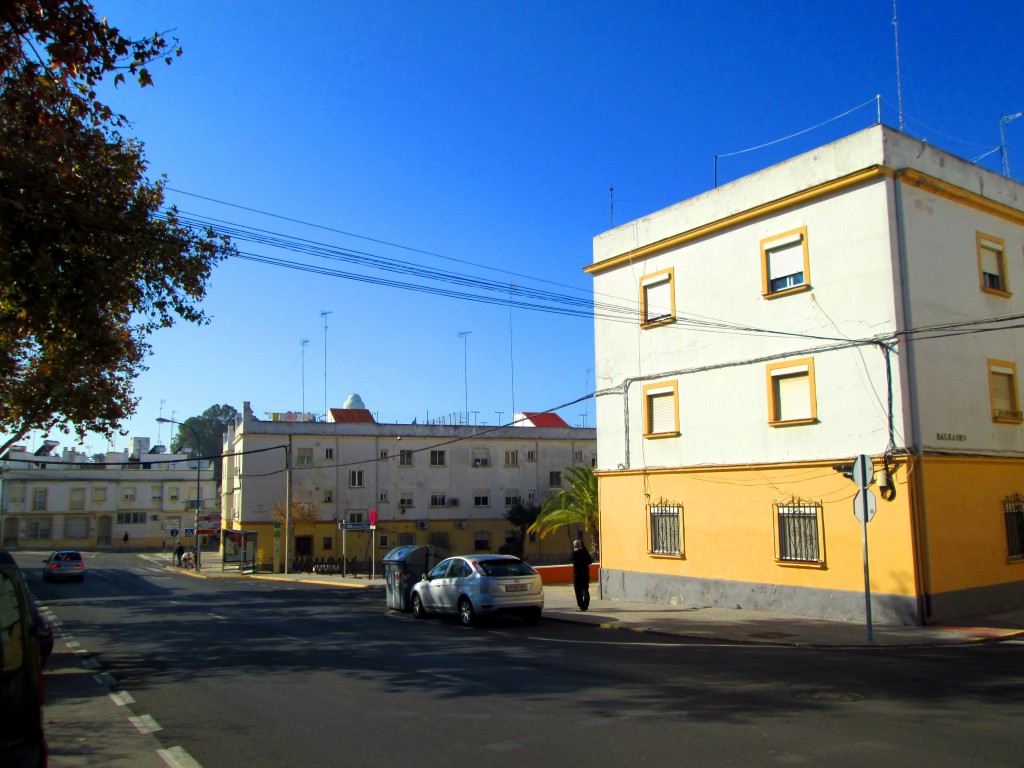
(1013, 511)
(798, 525)
(666, 527)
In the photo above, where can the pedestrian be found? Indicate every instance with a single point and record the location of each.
(581, 561)
(125, 538)
(179, 551)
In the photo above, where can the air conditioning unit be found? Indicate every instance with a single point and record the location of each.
(453, 502)
(421, 524)
(460, 523)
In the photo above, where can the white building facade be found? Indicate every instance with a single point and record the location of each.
(444, 486)
(858, 299)
(70, 501)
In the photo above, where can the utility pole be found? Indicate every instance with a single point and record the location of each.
(287, 503)
(303, 343)
(511, 350)
(465, 367)
(324, 313)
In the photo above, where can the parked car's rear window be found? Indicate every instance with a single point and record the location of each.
(500, 568)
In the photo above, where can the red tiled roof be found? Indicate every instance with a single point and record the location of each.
(352, 416)
(535, 419)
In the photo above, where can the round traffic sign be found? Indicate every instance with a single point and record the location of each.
(174, 531)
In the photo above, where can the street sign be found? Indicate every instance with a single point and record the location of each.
(190, 531)
(174, 532)
(208, 517)
(864, 496)
(863, 471)
(353, 526)
(373, 517)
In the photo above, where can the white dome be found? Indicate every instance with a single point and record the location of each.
(354, 401)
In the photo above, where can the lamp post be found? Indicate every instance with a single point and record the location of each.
(199, 494)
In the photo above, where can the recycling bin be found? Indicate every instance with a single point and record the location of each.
(403, 567)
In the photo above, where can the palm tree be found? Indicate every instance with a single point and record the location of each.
(572, 506)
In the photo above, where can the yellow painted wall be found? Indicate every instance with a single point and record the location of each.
(966, 533)
(461, 540)
(729, 527)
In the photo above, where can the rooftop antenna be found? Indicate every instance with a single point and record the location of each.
(324, 313)
(611, 207)
(1003, 122)
(303, 343)
(160, 429)
(899, 80)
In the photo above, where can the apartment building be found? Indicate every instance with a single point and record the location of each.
(69, 500)
(447, 486)
(860, 299)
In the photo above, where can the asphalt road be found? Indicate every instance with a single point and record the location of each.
(164, 669)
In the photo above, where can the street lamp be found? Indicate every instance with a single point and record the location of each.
(199, 495)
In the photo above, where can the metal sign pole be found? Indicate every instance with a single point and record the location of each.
(863, 476)
(867, 573)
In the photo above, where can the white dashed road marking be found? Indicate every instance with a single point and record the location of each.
(176, 757)
(145, 724)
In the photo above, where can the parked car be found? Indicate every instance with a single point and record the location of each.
(44, 634)
(475, 586)
(64, 565)
(21, 675)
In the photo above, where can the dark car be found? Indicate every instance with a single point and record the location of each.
(21, 675)
(44, 634)
(65, 565)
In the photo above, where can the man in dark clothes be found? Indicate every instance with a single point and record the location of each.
(179, 551)
(581, 561)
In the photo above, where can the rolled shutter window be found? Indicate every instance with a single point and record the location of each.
(663, 412)
(785, 260)
(792, 397)
(1002, 390)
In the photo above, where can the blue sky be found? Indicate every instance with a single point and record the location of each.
(489, 134)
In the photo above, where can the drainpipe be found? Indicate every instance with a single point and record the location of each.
(918, 517)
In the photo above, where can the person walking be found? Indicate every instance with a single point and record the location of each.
(581, 561)
(178, 552)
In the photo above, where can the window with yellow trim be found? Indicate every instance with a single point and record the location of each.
(657, 298)
(661, 409)
(1002, 385)
(791, 395)
(785, 266)
(992, 265)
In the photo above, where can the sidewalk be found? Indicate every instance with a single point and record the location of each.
(726, 624)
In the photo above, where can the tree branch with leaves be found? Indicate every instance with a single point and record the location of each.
(91, 263)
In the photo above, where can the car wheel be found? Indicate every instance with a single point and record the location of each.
(532, 615)
(417, 607)
(466, 613)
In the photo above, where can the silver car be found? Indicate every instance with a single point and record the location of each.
(475, 586)
(64, 565)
